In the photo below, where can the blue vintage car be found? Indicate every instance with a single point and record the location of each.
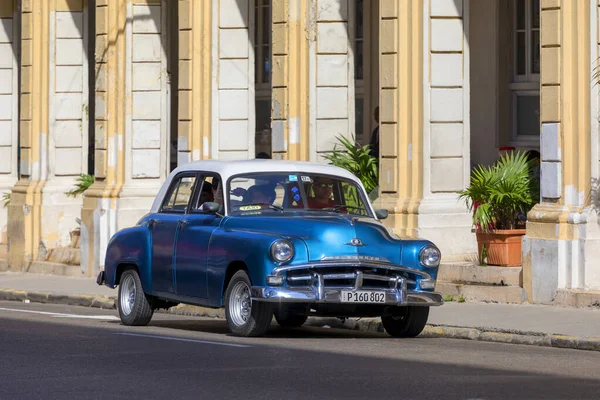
(266, 238)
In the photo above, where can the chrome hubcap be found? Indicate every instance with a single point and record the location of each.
(240, 304)
(128, 291)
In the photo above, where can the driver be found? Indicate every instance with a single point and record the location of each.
(264, 194)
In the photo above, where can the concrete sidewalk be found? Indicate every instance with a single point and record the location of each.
(509, 323)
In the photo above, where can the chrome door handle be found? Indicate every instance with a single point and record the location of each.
(152, 223)
(182, 223)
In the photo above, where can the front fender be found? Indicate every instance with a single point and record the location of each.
(250, 248)
(410, 256)
(129, 246)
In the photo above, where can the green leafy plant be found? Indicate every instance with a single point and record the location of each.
(84, 181)
(461, 299)
(448, 298)
(6, 199)
(357, 160)
(497, 195)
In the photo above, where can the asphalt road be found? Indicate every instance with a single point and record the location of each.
(65, 352)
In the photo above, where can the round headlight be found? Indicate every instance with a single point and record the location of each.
(430, 256)
(282, 251)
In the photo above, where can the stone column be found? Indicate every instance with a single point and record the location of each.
(292, 21)
(446, 131)
(146, 138)
(401, 112)
(562, 246)
(424, 135)
(9, 103)
(331, 85)
(131, 150)
(195, 80)
(232, 100)
(53, 133)
(67, 147)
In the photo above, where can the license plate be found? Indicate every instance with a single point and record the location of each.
(362, 296)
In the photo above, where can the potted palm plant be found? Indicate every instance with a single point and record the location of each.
(499, 196)
(356, 159)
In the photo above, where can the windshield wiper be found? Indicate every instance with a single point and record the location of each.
(271, 206)
(338, 207)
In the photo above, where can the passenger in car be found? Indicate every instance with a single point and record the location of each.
(322, 188)
(207, 193)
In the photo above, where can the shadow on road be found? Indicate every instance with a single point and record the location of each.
(66, 358)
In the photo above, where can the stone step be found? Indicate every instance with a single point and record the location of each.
(577, 298)
(482, 293)
(469, 273)
(53, 268)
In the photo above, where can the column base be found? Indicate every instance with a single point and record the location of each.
(446, 221)
(443, 220)
(102, 216)
(561, 250)
(6, 185)
(24, 217)
(60, 214)
(135, 201)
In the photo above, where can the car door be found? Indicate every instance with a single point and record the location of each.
(193, 239)
(164, 231)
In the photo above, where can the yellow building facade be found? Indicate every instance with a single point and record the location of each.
(125, 90)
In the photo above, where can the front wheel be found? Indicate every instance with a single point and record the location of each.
(133, 304)
(405, 322)
(244, 316)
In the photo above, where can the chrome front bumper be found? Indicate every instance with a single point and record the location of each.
(396, 297)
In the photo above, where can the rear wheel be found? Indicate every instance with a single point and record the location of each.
(134, 305)
(405, 322)
(244, 316)
(288, 317)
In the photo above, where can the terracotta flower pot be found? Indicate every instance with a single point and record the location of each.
(502, 247)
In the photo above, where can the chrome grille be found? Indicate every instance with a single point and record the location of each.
(352, 277)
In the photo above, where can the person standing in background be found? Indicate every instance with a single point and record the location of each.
(374, 143)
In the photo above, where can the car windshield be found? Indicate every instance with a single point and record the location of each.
(277, 192)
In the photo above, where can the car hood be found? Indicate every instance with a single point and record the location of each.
(328, 235)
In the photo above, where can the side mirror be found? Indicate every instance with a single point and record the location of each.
(211, 207)
(381, 214)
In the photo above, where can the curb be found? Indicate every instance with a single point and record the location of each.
(361, 324)
(84, 300)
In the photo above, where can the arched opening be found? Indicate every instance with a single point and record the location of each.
(91, 21)
(504, 41)
(172, 49)
(364, 34)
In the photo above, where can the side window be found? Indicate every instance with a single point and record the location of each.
(179, 195)
(211, 190)
(353, 199)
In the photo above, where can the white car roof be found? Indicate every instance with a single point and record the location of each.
(227, 169)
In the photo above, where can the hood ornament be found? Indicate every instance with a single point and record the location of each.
(355, 242)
